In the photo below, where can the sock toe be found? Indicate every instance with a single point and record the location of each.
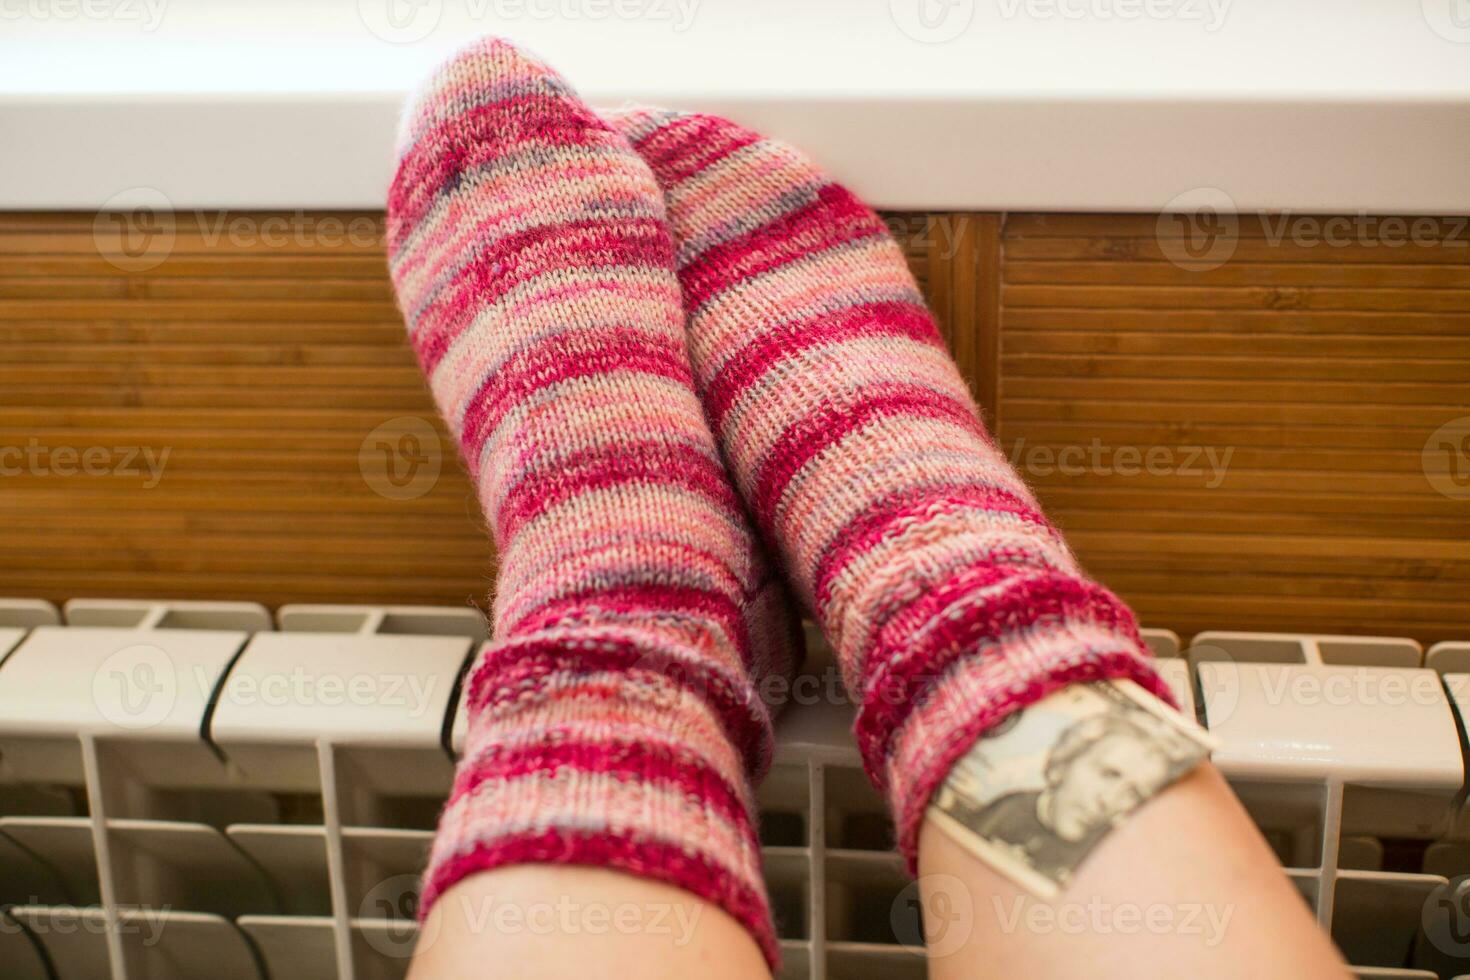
(482, 72)
(492, 113)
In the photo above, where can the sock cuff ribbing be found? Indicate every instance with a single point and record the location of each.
(619, 766)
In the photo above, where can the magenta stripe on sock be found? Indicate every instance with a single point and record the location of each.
(620, 352)
(888, 516)
(662, 764)
(835, 219)
(689, 145)
(903, 669)
(645, 602)
(471, 139)
(790, 338)
(611, 244)
(598, 469)
(510, 671)
(826, 425)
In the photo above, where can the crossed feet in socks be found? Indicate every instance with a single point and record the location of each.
(648, 332)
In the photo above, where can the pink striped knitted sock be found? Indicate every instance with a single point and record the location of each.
(613, 721)
(950, 600)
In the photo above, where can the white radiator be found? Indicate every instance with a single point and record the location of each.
(194, 789)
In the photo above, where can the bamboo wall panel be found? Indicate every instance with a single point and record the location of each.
(265, 357)
(1321, 367)
(272, 371)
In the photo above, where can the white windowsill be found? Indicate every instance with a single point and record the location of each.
(1308, 105)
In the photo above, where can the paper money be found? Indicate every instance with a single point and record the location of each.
(1036, 794)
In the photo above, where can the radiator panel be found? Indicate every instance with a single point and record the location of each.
(281, 835)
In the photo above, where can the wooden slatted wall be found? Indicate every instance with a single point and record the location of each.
(1322, 369)
(267, 359)
(264, 354)
(261, 363)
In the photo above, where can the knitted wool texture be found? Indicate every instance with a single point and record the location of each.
(613, 721)
(950, 600)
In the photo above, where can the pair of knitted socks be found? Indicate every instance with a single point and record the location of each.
(650, 332)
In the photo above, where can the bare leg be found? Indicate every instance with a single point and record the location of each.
(1184, 887)
(582, 923)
